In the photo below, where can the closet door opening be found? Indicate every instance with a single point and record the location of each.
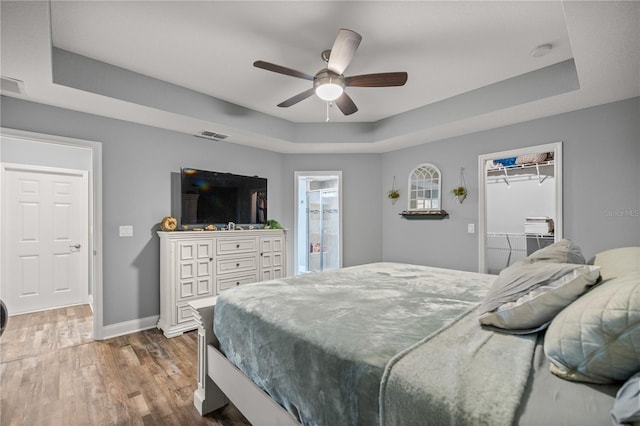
(520, 204)
(318, 232)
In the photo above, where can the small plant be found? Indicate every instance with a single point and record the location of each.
(393, 194)
(272, 224)
(459, 191)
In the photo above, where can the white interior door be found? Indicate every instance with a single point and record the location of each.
(45, 238)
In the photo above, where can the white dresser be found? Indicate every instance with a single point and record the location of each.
(199, 264)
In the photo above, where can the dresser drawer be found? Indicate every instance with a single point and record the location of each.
(235, 264)
(236, 280)
(236, 245)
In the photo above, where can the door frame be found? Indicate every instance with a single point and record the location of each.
(95, 212)
(556, 148)
(296, 189)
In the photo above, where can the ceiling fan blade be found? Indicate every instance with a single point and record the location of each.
(346, 105)
(343, 49)
(282, 70)
(297, 98)
(385, 79)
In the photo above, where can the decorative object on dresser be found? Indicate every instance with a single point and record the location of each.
(168, 223)
(196, 265)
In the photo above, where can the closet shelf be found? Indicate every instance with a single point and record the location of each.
(424, 214)
(543, 170)
(501, 169)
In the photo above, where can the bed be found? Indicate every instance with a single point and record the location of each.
(397, 344)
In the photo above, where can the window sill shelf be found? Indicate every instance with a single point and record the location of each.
(424, 214)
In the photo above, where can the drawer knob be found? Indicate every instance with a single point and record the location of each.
(237, 245)
(237, 283)
(237, 265)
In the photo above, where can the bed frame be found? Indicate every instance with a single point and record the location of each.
(220, 382)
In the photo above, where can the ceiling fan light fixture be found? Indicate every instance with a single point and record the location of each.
(329, 91)
(328, 86)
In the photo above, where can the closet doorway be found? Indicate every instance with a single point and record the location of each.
(318, 232)
(520, 204)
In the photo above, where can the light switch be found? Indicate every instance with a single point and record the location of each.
(471, 228)
(126, 231)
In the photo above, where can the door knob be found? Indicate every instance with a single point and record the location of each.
(77, 246)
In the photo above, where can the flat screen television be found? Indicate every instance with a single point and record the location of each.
(213, 198)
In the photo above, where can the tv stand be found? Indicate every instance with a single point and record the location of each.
(200, 264)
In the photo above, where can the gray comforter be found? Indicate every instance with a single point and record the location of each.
(319, 343)
(461, 375)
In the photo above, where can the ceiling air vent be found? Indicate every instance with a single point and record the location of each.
(212, 135)
(12, 85)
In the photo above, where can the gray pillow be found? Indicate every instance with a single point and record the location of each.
(619, 261)
(596, 339)
(534, 311)
(526, 296)
(563, 251)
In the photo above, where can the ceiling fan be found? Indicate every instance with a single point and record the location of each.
(329, 83)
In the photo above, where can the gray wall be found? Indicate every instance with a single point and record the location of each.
(137, 165)
(601, 149)
(601, 189)
(45, 154)
(361, 193)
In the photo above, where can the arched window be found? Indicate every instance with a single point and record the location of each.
(425, 185)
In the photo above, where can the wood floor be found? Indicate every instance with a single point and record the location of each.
(52, 372)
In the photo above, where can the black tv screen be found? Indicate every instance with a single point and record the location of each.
(213, 198)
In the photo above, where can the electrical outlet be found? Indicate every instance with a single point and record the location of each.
(471, 228)
(126, 231)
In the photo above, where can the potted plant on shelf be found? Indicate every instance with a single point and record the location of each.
(460, 192)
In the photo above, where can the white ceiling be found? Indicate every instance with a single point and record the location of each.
(210, 47)
(448, 48)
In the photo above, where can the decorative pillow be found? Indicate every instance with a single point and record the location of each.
(626, 407)
(563, 251)
(617, 262)
(597, 338)
(526, 296)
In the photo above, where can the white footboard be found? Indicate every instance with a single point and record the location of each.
(207, 397)
(218, 378)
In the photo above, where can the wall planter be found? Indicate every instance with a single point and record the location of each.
(394, 193)
(461, 190)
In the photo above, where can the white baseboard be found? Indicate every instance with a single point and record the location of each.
(128, 327)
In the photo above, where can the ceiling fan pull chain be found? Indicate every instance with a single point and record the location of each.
(328, 105)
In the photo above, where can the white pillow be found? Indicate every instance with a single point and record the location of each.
(597, 338)
(548, 294)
